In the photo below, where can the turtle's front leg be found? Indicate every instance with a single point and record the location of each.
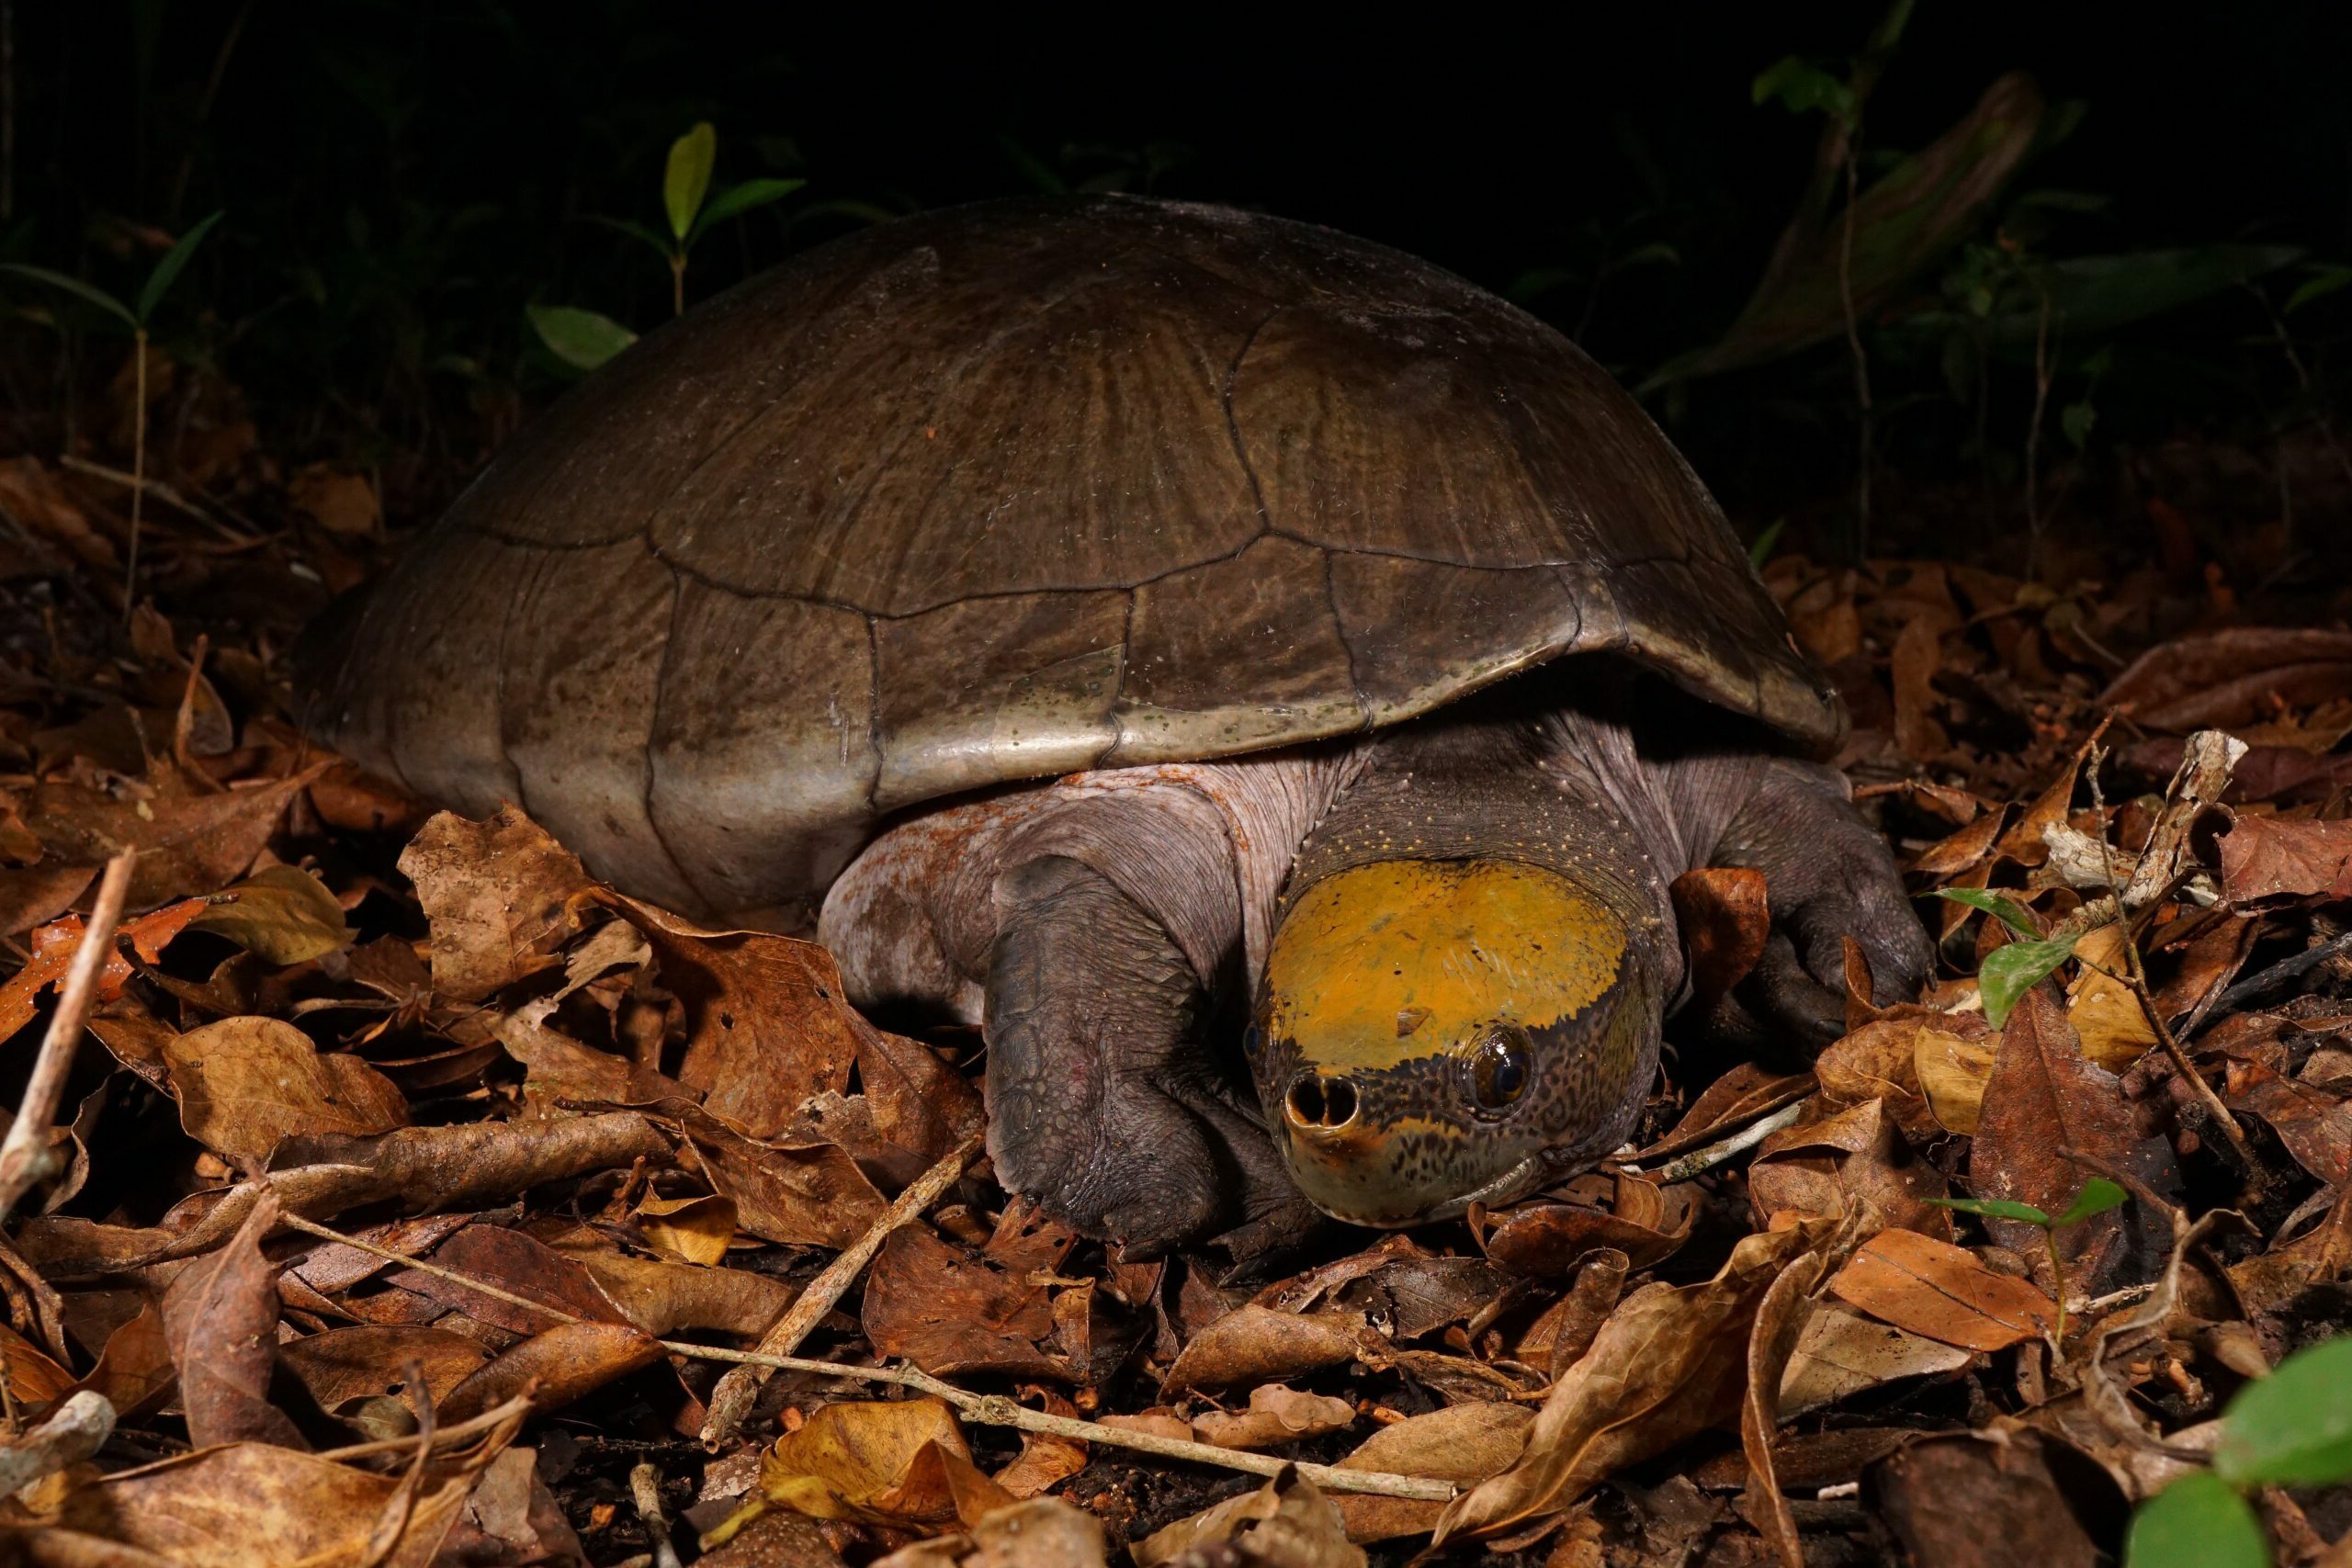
(1103, 1105)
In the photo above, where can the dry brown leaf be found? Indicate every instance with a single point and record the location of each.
(2316, 1124)
(667, 1299)
(1747, 1092)
(1842, 1353)
(1849, 1161)
(220, 1318)
(1994, 1500)
(34, 1380)
(502, 895)
(1942, 1292)
(255, 1505)
(799, 1193)
(1952, 1070)
(281, 913)
(1722, 917)
(518, 1265)
(1288, 1523)
(554, 1367)
(245, 1083)
(188, 843)
(2043, 1102)
(134, 1370)
(1461, 1443)
(886, 1463)
(1772, 1336)
(1670, 1362)
(1545, 1240)
(54, 945)
(1565, 1330)
(1959, 851)
(370, 1360)
(1251, 1344)
(948, 1312)
(2103, 1008)
(1277, 1414)
(1045, 1461)
(1878, 1060)
(695, 1229)
(2232, 676)
(2265, 858)
(341, 503)
(1043, 1533)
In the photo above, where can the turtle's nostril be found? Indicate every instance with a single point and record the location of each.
(1318, 1103)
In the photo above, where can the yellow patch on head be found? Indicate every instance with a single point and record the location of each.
(1449, 944)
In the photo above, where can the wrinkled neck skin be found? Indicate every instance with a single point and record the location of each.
(1488, 888)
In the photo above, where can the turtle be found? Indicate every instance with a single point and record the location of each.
(1265, 682)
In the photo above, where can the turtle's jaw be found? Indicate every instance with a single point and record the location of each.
(1404, 1175)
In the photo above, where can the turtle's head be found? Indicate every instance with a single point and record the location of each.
(1434, 1033)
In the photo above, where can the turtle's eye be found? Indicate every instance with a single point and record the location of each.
(1498, 1070)
(1253, 1040)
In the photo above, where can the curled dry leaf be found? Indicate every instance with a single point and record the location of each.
(1277, 1414)
(2314, 1123)
(1942, 1292)
(947, 1311)
(281, 914)
(1545, 1240)
(1251, 1344)
(1565, 1330)
(1742, 1095)
(666, 1299)
(1952, 1070)
(517, 1264)
(695, 1229)
(1287, 1522)
(812, 1194)
(888, 1463)
(1670, 1362)
(244, 1084)
(502, 894)
(190, 843)
(2102, 1007)
(2232, 676)
(1851, 1161)
(1045, 1461)
(554, 1367)
(220, 1319)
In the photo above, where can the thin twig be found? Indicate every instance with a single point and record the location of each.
(443, 1437)
(26, 1157)
(645, 1491)
(732, 1398)
(2257, 986)
(160, 491)
(1682, 1168)
(75, 1431)
(991, 1410)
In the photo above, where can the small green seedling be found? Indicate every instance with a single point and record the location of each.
(585, 339)
(692, 209)
(2292, 1429)
(2013, 969)
(138, 315)
(2098, 1195)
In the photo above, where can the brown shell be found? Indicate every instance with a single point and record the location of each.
(1013, 490)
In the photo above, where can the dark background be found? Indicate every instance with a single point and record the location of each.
(401, 179)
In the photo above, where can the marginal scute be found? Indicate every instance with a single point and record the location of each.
(766, 723)
(1320, 485)
(1234, 656)
(577, 705)
(1018, 686)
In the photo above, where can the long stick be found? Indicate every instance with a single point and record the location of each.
(991, 1409)
(26, 1157)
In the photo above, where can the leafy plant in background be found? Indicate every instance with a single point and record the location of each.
(587, 339)
(138, 315)
(2098, 1195)
(2292, 1429)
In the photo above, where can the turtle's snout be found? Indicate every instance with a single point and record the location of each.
(1321, 1103)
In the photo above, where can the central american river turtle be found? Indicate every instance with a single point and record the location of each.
(1046, 602)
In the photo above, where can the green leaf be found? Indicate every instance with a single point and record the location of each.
(579, 338)
(638, 232)
(1762, 550)
(79, 289)
(2076, 420)
(1801, 87)
(2195, 1522)
(2008, 914)
(736, 201)
(687, 179)
(2009, 973)
(168, 271)
(2324, 281)
(2293, 1427)
(2098, 1196)
(1996, 1209)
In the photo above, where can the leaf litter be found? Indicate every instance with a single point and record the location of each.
(420, 1200)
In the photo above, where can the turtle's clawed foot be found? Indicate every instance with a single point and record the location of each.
(1828, 876)
(1103, 1105)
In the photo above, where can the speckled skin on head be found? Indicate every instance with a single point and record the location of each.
(1054, 601)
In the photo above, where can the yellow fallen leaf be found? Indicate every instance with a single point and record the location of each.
(2107, 1016)
(1953, 1073)
(695, 1229)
